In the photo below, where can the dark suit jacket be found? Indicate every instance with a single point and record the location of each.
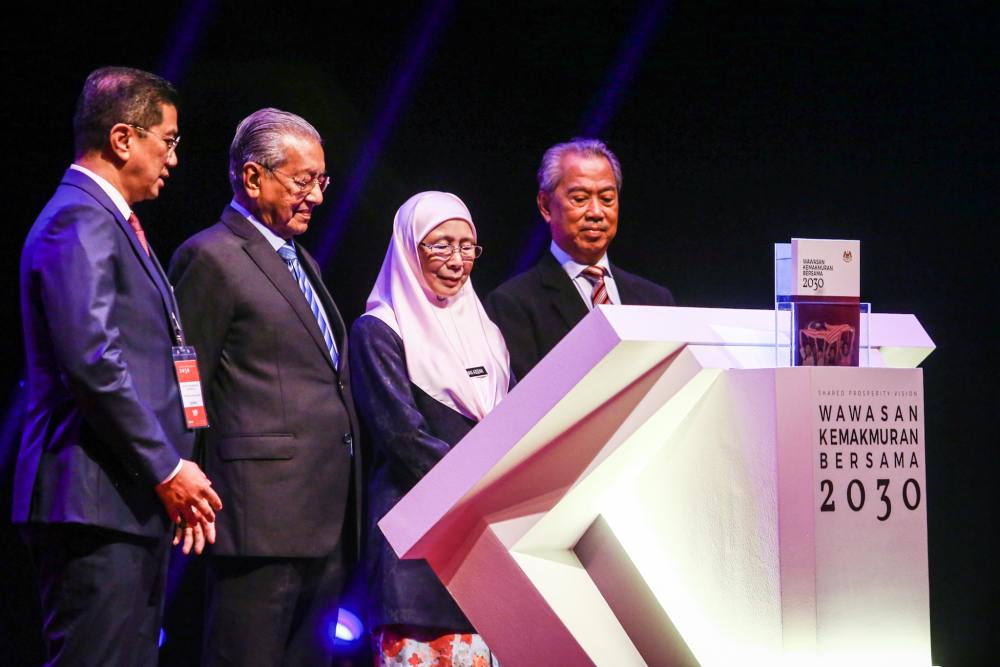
(537, 308)
(278, 450)
(104, 419)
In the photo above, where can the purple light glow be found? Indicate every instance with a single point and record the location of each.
(416, 55)
(187, 33)
(604, 104)
(348, 628)
(534, 247)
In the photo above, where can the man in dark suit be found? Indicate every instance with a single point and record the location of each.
(102, 468)
(272, 354)
(578, 187)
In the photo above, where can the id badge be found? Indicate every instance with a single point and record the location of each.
(186, 365)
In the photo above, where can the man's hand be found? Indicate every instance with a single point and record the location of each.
(194, 536)
(189, 497)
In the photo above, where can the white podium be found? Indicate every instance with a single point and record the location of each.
(655, 492)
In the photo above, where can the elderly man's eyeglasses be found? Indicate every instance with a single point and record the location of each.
(171, 142)
(303, 187)
(445, 251)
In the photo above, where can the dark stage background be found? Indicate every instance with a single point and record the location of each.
(737, 125)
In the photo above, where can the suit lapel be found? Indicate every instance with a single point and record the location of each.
(565, 298)
(633, 291)
(624, 285)
(167, 287)
(319, 287)
(276, 271)
(149, 262)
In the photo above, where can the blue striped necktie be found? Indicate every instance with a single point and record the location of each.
(291, 258)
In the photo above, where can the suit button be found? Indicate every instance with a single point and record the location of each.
(348, 439)
(340, 385)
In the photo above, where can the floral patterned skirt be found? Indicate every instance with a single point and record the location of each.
(409, 646)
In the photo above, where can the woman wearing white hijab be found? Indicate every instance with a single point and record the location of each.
(426, 365)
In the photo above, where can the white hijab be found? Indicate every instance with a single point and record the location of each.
(442, 337)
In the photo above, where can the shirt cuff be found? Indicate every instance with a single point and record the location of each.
(174, 473)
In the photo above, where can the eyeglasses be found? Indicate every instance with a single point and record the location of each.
(303, 187)
(445, 251)
(171, 142)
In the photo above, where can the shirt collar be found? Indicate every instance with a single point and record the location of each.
(272, 238)
(113, 194)
(573, 268)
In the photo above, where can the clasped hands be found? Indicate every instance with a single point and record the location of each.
(191, 505)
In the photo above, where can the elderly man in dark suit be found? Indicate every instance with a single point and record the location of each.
(579, 183)
(283, 443)
(103, 464)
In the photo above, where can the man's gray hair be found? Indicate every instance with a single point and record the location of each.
(260, 138)
(550, 171)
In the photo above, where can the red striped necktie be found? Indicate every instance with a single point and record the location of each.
(133, 220)
(599, 295)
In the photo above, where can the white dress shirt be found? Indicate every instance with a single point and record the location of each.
(116, 197)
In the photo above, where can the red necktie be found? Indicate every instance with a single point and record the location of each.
(137, 228)
(595, 274)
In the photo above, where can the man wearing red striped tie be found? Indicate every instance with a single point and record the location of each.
(579, 183)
